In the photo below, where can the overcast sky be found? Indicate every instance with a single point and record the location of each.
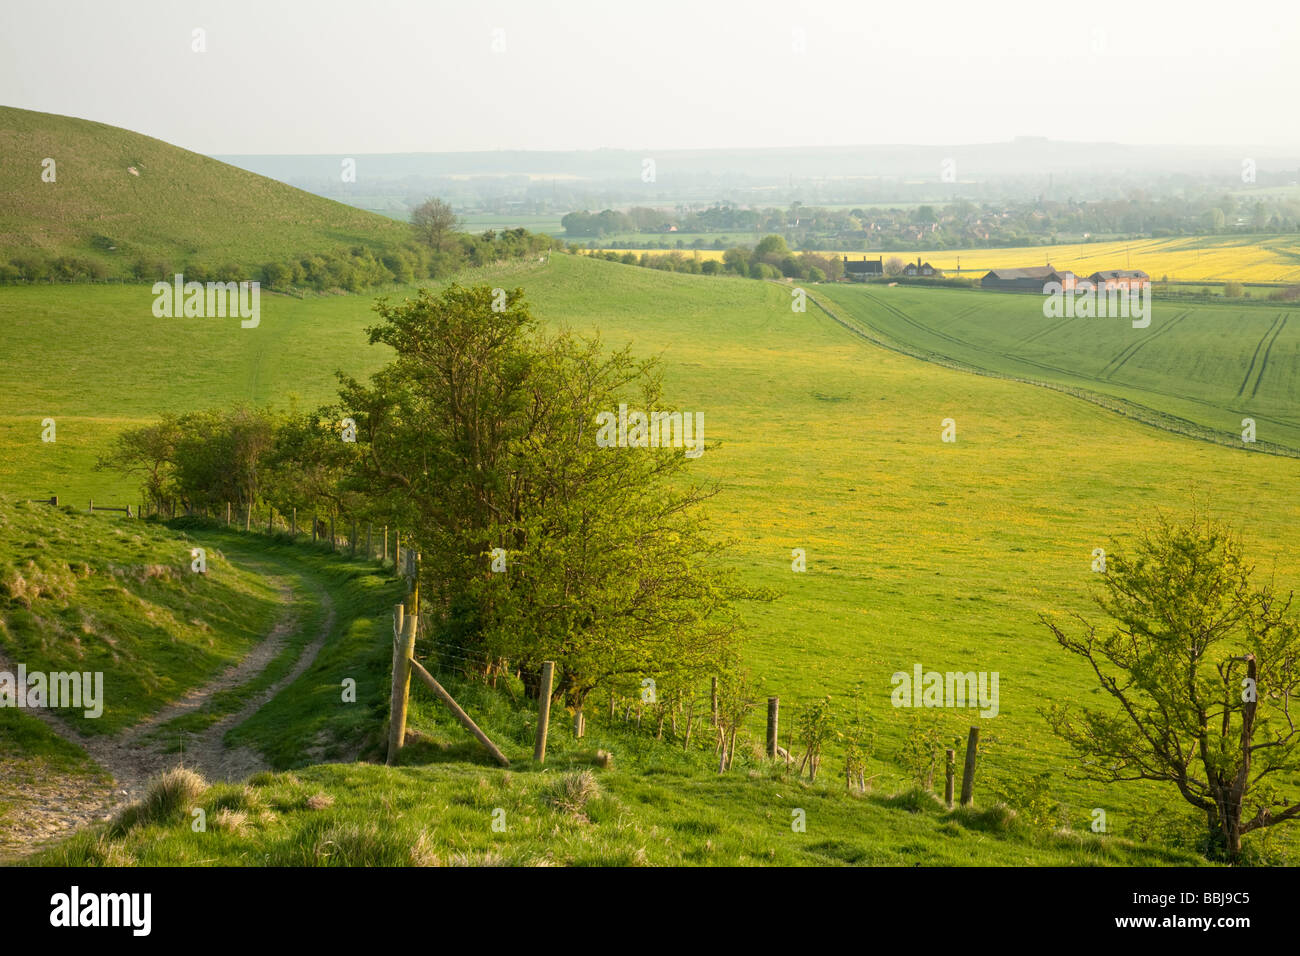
(336, 76)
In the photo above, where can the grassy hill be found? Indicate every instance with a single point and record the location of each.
(120, 199)
(105, 593)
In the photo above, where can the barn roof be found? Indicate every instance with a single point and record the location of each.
(1033, 272)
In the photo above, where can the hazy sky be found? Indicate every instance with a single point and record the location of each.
(334, 76)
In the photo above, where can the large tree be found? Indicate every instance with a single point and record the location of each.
(434, 223)
(148, 451)
(484, 430)
(1201, 664)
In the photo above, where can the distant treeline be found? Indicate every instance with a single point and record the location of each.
(350, 269)
(957, 225)
(771, 258)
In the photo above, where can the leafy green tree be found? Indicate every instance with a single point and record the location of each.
(1202, 665)
(148, 451)
(921, 749)
(771, 246)
(482, 434)
(311, 467)
(814, 726)
(737, 260)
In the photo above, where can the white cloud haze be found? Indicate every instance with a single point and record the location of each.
(334, 76)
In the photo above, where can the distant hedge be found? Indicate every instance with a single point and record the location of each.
(350, 269)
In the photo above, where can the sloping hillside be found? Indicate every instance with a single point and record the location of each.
(129, 203)
(183, 659)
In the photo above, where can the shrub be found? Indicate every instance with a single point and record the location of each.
(169, 798)
(572, 792)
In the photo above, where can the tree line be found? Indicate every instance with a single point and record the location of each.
(771, 258)
(959, 224)
(435, 249)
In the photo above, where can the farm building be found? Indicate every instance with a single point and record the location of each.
(864, 269)
(1033, 279)
(1120, 279)
(919, 268)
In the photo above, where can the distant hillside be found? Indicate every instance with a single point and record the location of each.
(522, 184)
(126, 205)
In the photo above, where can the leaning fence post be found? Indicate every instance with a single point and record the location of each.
(773, 709)
(403, 648)
(544, 710)
(951, 771)
(968, 771)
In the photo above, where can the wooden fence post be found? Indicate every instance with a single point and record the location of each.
(968, 771)
(397, 550)
(544, 711)
(456, 709)
(579, 724)
(248, 516)
(773, 710)
(92, 506)
(950, 773)
(403, 646)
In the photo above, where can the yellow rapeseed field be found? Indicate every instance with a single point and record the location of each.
(1196, 259)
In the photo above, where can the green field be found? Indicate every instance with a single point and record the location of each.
(918, 551)
(477, 222)
(1196, 368)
